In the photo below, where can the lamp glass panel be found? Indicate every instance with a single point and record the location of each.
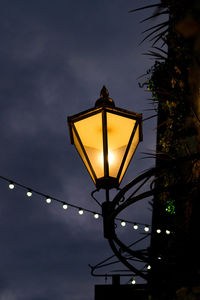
(119, 131)
(90, 132)
(132, 149)
(81, 153)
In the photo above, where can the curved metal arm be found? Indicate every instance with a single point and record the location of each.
(125, 262)
(116, 206)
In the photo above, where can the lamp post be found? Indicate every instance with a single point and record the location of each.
(106, 138)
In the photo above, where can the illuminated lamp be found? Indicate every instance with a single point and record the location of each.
(106, 138)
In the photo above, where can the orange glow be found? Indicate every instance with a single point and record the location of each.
(106, 130)
(111, 158)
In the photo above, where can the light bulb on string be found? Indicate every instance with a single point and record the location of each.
(167, 231)
(48, 200)
(148, 267)
(96, 216)
(29, 193)
(133, 281)
(80, 211)
(11, 186)
(65, 206)
(123, 223)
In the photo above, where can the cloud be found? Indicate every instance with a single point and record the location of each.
(54, 60)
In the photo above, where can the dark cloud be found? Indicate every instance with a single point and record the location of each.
(54, 57)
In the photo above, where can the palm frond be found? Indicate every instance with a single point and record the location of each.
(159, 36)
(156, 15)
(141, 85)
(151, 117)
(155, 55)
(163, 44)
(159, 49)
(141, 76)
(151, 33)
(149, 109)
(149, 153)
(158, 25)
(144, 7)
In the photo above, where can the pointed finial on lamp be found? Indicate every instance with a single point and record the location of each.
(104, 99)
(104, 92)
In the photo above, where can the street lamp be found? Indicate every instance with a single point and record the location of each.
(106, 138)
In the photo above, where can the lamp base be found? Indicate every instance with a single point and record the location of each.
(107, 183)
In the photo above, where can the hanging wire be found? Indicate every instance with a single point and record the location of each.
(29, 192)
(48, 198)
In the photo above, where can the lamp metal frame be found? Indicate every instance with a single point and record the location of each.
(106, 182)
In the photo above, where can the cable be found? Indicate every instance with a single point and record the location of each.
(81, 210)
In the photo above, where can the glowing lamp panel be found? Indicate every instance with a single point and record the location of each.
(90, 133)
(132, 149)
(82, 155)
(119, 131)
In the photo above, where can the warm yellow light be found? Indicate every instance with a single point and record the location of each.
(90, 133)
(111, 158)
(106, 130)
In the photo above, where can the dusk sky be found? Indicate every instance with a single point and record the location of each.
(55, 56)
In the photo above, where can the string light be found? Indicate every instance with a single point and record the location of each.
(11, 186)
(65, 206)
(148, 267)
(48, 200)
(123, 223)
(133, 281)
(29, 193)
